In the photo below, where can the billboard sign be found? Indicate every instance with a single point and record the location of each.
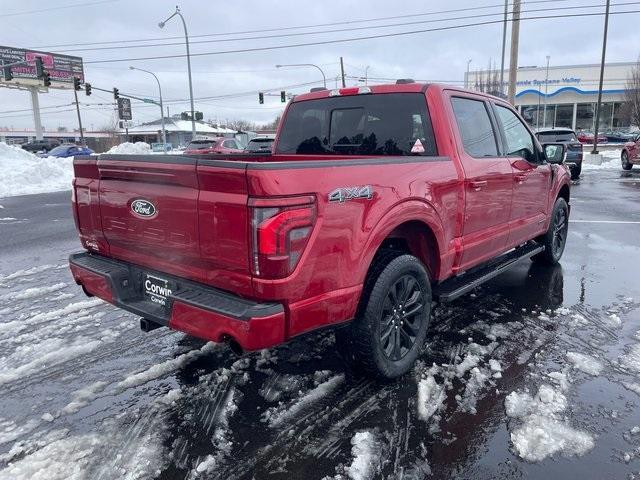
(62, 68)
(124, 108)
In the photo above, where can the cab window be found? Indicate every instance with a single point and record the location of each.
(518, 139)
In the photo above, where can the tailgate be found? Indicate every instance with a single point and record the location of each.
(171, 215)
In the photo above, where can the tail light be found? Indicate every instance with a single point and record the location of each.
(280, 230)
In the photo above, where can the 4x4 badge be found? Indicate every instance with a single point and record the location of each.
(343, 194)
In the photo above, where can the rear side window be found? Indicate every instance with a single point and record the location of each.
(383, 124)
(475, 127)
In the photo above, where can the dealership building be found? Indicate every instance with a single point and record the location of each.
(566, 96)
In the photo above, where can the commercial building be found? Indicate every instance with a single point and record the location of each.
(566, 96)
(178, 131)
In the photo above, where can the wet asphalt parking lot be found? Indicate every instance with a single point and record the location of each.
(534, 375)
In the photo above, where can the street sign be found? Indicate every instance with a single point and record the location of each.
(125, 123)
(148, 100)
(61, 68)
(124, 108)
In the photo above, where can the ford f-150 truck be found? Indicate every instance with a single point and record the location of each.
(376, 202)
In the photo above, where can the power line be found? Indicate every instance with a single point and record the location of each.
(355, 39)
(61, 7)
(339, 30)
(278, 29)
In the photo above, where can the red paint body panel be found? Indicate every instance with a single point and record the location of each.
(454, 211)
(93, 283)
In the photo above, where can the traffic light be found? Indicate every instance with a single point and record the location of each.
(46, 79)
(76, 83)
(198, 115)
(39, 68)
(8, 74)
(116, 93)
(283, 96)
(260, 98)
(87, 89)
(184, 116)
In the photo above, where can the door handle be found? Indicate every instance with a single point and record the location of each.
(478, 184)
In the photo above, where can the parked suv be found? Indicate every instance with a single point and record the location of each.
(40, 145)
(376, 202)
(631, 153)
(574, 147)
(222, 145)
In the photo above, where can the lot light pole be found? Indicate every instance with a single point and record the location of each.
(324, 78)
(186, 38)
(604, 53)
(164, 134)
(466, 78)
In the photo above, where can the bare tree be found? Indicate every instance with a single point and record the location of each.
(273, 125)
(631, 106)
(489, 81)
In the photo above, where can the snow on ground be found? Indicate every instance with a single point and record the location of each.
(610, 160)
(278, 415)
(24, 173)
(128, 148)
(365, 453)
(542, 431)
(430, 397)
(585, 363)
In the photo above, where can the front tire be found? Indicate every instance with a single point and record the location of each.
(555, 239)
(626, 164)
(390, 327)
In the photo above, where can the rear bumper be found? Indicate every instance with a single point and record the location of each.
(193, 308)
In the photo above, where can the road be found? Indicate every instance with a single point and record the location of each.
(534, 375)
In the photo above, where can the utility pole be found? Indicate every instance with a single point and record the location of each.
(466, 78)
(35, 106)
(546, 90)
(504, 44)
(604, 53)
(342, 72)
(75, 94)
(513, 62)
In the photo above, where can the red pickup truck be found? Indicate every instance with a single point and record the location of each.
(376, 202)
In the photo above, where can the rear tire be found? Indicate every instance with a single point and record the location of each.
(555, 239)
(388, 333)
(576, 171)
(626, 164)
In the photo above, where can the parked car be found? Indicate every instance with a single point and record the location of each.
(574, 147)
(40, 145)
(260, 144)
(585, 136)
(630, 155)
(376, 202)
(619, 136)
(68, 150)
(223, 145)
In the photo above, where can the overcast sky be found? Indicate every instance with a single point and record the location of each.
(436, 56)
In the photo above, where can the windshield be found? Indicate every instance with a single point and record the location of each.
(564, 136)
(60, 149)
(200, 144)
(384, 124)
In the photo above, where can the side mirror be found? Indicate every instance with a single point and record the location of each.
(555, 152)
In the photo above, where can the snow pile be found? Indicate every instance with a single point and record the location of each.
(66, 458)
(365, 453)
(610, 161)
(542, 431)
(24, 173)
(84, 396)
(585, 363)
(430, 397)
(128, 148)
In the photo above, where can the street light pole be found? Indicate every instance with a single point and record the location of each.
(504, 43)
(324, 78)
(164, 134)
(186, 38)
(546, 89)
(604, 53)
(466, 78)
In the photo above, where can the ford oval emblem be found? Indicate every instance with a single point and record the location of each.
(143, 208)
